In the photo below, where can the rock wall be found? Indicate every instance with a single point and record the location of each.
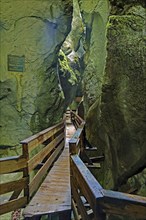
(69, 77)
(70, 58)
(32, 33)
(117, 111)
(124, 94)
(95, 15)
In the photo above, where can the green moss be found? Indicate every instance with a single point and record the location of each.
(65, 68)
(122, 22)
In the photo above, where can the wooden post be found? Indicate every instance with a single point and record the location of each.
(72, 147)
(64, 129)
(81, 143)
(25, 170)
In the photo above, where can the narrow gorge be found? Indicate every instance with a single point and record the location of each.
(60, 54)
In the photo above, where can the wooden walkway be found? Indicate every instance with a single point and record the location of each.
(60, 157)
(54, 194)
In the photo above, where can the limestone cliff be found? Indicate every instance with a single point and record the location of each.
(115, 91)
(32, 33)
(70, 58)
(124, 94)
(95, 15)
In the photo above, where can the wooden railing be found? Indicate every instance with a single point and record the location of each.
(76, 142)
(17, 196)
(90, 200)
(39, 153)
(76, 119)
(51, 142)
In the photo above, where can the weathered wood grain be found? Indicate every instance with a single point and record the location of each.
(80, 205)
(75, 141)
(76, 117)
(75, 211)
(54, 194)
(42, 136)
(90, 188)
(11, 164)
(38, 158)
(123, 204)
(11, 186)
(43, 171)
(13, 205)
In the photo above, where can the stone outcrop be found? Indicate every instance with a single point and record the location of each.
(124, 94)
(32, 33)
(95, 15)
(70, 58)
(69, 76)
(116, 111)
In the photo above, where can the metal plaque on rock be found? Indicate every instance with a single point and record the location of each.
(16, 63)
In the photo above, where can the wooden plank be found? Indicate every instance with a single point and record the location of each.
(75, 211)
(93, 166)
(73, 114)
(74, 148)
(90, 188)
(76, 124)
(80, 205)
(42, 136)
(11, 186)
(123, 204)
(13, 205)
(13, 164)
(33, 137)
(97, 159)
(9, 158)
(15, 194)
(33, 162)
(41, 173)
(25, 170)
(54, 194)
(78, 121)
(75, 140)
(77, 134)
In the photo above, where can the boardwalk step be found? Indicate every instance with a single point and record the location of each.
(90, 212)
(97, 159)
(93, 166)
(90, 149)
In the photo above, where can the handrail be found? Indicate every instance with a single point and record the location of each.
(16, 188)
(76, 119)
(123, 204)
(87, 192)
(12, 164)
(42, 136)
(47, 145)
(85, 188)
(90, 197)
(76, 142)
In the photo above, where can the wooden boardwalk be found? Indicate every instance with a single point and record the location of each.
(57, 159)
(54, 194)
